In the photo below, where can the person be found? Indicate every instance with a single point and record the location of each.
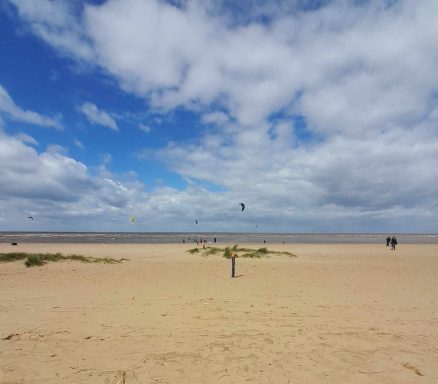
(215, 240)
(388, 240)
(393, 242)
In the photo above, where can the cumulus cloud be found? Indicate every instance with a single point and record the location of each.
(27, 174)
(78, 144)
(97, 116)
(347, 67)
(12, 111)
(55, 22)
(53, 186)
(218, 118)
(25, 138)
(64, 194)
(360, 76)
(317, 189)
(145, 128)
(345, 181)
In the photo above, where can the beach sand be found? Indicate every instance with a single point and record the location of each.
(336, 313)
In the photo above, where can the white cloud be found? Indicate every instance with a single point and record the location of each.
(64, 194)
(218, 118)
(316, 189)
(25, 138)
(145, 128)
(55, 23)
(78, 144)
(14, 112)
(26, 174)
(341, 59)
(362, 75)
(105, 158)
(54, 186)
(96, 116)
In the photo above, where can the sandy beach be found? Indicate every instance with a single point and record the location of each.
(335, 313)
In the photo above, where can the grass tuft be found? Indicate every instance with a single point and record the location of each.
(212, 251)
(12, 256)
(33, 260)
(193, 250)
(240, 252)
(38, 259)
(227, 253)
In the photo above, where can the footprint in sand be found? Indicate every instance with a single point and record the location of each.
(412, 368)
(10, 336)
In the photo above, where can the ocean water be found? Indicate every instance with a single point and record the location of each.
(234, 238)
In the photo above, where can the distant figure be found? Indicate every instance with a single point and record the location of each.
(264, 241)
(393, 242)
(215, 240)
(233, 265)
(184, 241)
(388, 240)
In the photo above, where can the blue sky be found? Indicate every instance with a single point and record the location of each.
(320, 115)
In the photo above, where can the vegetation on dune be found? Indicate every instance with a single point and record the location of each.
(212, 251)
(261, 252)
(33, 260)
(13, 256)
(38, 259)
(228, 252)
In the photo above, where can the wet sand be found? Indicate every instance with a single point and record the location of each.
(336, 313)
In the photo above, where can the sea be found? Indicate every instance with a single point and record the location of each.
(221, 237)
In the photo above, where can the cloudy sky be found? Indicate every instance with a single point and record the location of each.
(321, 116)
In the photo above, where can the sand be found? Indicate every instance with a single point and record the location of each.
(336, 313)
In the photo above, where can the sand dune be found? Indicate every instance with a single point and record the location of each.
(334, 314)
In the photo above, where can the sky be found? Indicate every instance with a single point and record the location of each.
(319, 115)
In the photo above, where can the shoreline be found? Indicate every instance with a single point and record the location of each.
(221, 237)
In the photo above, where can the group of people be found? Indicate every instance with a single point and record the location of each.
(199, 240)
(391, 240)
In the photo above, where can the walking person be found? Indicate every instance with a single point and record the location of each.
(388, 240)
(393, 242)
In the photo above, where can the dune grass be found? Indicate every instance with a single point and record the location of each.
(33, 261)
(227, 252)
(38, 259)
(212, 251)
(13, 256)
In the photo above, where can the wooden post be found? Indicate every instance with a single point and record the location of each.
(233, 265)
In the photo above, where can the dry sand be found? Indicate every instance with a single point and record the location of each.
(334, 314)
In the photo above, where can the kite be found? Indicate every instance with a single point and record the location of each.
(196, 221)
(30, 217)
(133, 219)
(243, 206)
